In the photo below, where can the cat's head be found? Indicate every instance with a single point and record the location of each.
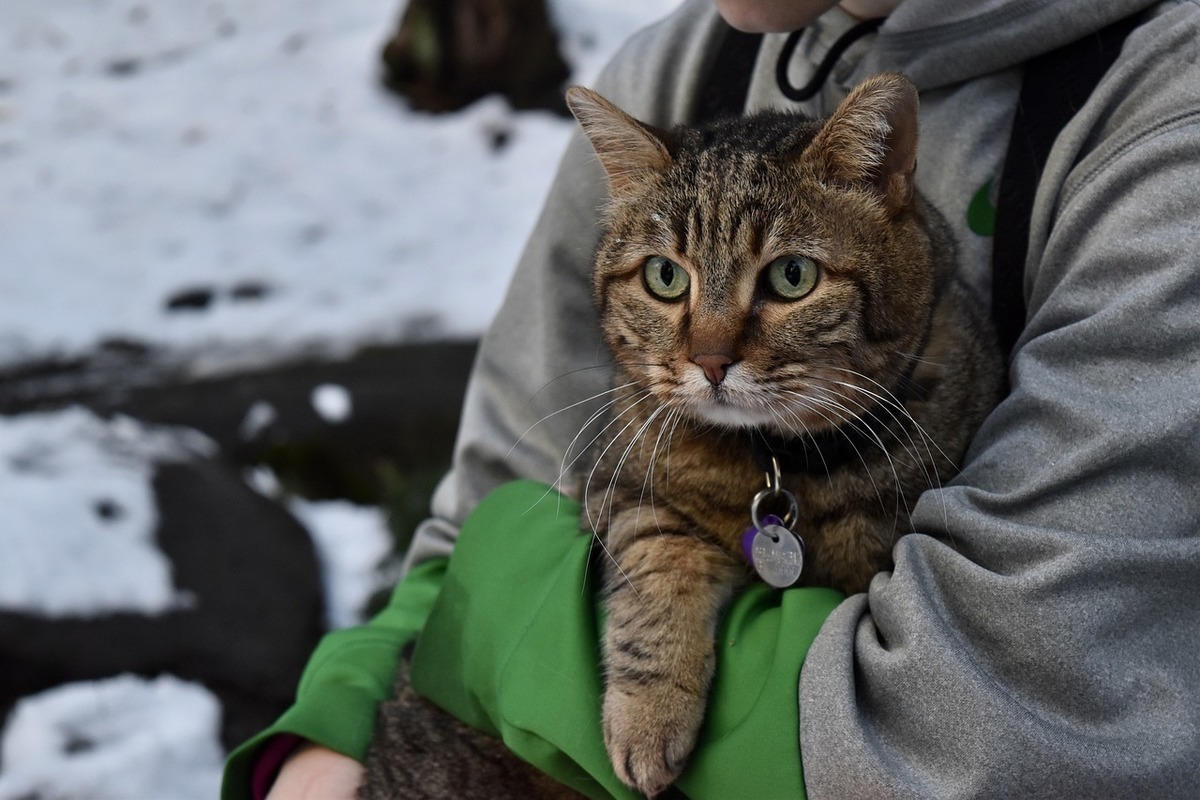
(769, 271)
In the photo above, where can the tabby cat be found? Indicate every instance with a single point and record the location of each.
(789, 333)
(776, 288)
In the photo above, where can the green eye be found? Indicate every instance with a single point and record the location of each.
(792, 277)
(665, 279)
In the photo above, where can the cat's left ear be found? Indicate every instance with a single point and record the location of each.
(628, 149)
(871, 140)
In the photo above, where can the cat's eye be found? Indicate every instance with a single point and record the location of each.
(792, 277)
(665, 279)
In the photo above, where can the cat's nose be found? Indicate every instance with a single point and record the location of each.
(714, 366)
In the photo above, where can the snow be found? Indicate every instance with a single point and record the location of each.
(227, 184)
(351, 542)
(332, 402)
(258, 418)
(76, 493)
(124, 738)
(228, 180)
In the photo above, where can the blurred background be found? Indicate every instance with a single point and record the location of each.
(246, 249)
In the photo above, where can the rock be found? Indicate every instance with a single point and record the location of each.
(406, 402)
(256, 615)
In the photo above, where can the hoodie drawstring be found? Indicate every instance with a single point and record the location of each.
(808, 90)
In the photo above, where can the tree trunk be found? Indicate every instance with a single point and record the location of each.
(448, 53)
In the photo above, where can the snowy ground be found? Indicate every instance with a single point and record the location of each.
(226, 183)
(152, 152)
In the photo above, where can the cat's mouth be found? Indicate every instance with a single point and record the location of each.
(736, 402)
(729, 415)
(741, 403)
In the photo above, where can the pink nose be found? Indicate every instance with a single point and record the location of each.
(714, 365)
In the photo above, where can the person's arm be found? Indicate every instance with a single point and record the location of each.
(1039, 638)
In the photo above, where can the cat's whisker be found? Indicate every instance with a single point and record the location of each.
(808, 432)
(885, 399)
(606, 502)
(930, 479)
(559, 481)
(844, 417)
(889, 398)
(917, 358)
(911, 447)
(670, 425)
(565, 466)
(565, 409)
(929, 473)
(888, 402)
(633, 442)
(569, 373)
(860, 424)
(652, 462)
(783, 423)
(840, 418)
(648, 476)
(614, 420)
(816, 405)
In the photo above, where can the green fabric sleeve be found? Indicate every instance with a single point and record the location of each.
(349, 673)
(511, 648)
(509, 632)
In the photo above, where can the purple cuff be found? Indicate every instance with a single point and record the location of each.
(269, 761)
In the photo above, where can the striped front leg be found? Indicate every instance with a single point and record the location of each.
(666, 591)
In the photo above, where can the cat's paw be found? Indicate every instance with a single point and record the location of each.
(649, 734)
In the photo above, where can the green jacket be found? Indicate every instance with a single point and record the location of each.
(510, 621)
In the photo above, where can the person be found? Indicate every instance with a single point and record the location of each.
(1040, 632)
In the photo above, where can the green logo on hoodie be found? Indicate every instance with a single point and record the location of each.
(981, 213)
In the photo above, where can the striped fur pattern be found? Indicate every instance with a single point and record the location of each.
(420, 752)
(766, 274)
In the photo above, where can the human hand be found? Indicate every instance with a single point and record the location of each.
(314, 772)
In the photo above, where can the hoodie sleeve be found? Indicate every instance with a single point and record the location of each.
(1039, 637)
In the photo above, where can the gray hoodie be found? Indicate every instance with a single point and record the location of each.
(1040, 633)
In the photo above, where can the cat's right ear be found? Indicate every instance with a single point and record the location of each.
(628, 150)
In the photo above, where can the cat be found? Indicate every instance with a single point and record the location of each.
(788, 331)
(778, 298)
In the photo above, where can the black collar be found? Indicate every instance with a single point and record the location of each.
(825, 451)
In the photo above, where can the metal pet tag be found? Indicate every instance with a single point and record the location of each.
(775, 551)
(777, 555)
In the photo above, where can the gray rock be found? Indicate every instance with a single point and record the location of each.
(257, 610)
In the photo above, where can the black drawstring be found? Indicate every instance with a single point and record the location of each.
(810, 89)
